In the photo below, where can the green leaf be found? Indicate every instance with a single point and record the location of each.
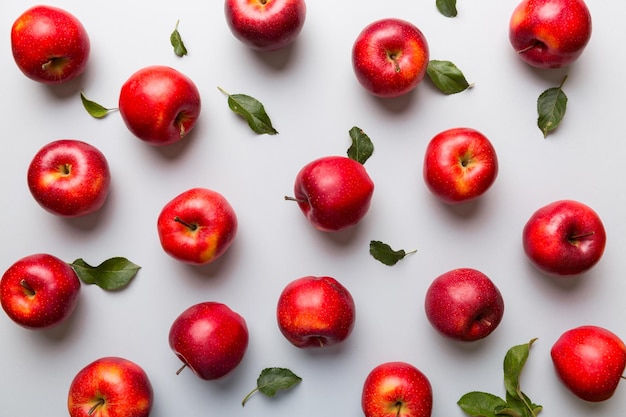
(94, 109)
(447, 7)
(177, 42)
(112, 274)
(362, 147)
(385, 254)
(447, 77)
(252, 111)
(514, 362)
(551, 106)
(481, 404)
(271, 380)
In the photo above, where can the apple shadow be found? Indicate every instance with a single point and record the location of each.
(277, 60)
(214, 270)
(90, 222)
(61, 331)
(174, 150)
(396, 105)
(564, 283)
(68, 89)
(463, 210)
(342, 237)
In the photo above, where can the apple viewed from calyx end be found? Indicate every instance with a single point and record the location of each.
(550, 33)
(49, 45)
(110, 387)
(315, 312)
(590, 361)
(390, 57)
(333, 192)
(197, 226)
(464, 304)
(209, 338)
(460, 165)
(565, 237)
(265, 25)
(39, 291)
(159, 105)
(394, 389)
(69, 178)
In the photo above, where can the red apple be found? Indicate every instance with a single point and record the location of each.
(590, 361)
(159, 105)
(197, 226)
(565, 237)
(460, 165)
(550, 33)
(110, 387)
(315, 312)
(333, 192)
(464, 304)
(69, 178)
(209, 338)
(396, 389)
(265, 25)
(390, 57)
(49, 45)
(39, 291)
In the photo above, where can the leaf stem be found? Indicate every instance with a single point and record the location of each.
(247, 397)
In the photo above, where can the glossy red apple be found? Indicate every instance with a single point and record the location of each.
(565, 237)
(394, 389)
(209, 338)
(460, 165)
(159, 105)
(550, 33)
(590, 361)
(197, 226)
(69, 178)
(49, 44)
(333, 192)
(464, 304)
(265, 25)
(315, 312)
(110, 387)
(39, 291)
(390, 57)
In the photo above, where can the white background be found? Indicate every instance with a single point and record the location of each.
(313, 98)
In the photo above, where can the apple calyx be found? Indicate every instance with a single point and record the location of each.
(95, 407)
(191, 226)
(29, 291)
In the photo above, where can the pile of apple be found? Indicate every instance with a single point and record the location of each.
(160, 106)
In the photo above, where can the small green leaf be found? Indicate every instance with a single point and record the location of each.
(513, 365)
(362, 147)
(447, 77)
(112, 274)
(481, 404)
(271, 380)
(447, 7)
(551, 106)
(383, 253)
(94, 109)
(252, 111)
(177, 42)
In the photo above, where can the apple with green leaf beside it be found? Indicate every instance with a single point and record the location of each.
(49, 44)
(550, 33)
(110, 387)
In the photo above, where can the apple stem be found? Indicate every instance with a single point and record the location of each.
(96, 406)
(191, 227)
(27, 288)
(295, 199)
(531, 46)
(394, 58)
(181, 369)
(399, 407)
(574, 239)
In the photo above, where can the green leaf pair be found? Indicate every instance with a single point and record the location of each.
(112, 274)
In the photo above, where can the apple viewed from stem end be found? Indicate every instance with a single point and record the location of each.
(197, 226)
(564, 238)
(396, 389)
(209, 338)
(265, 25)
(49, 45)
(390, 57)
(460, 165)
(333, 192)
(315, 312)
(464, 304)
(159, 105)
(550, 33)
(112, 387)
(590, 361)
(69, 178)
(39, 291)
